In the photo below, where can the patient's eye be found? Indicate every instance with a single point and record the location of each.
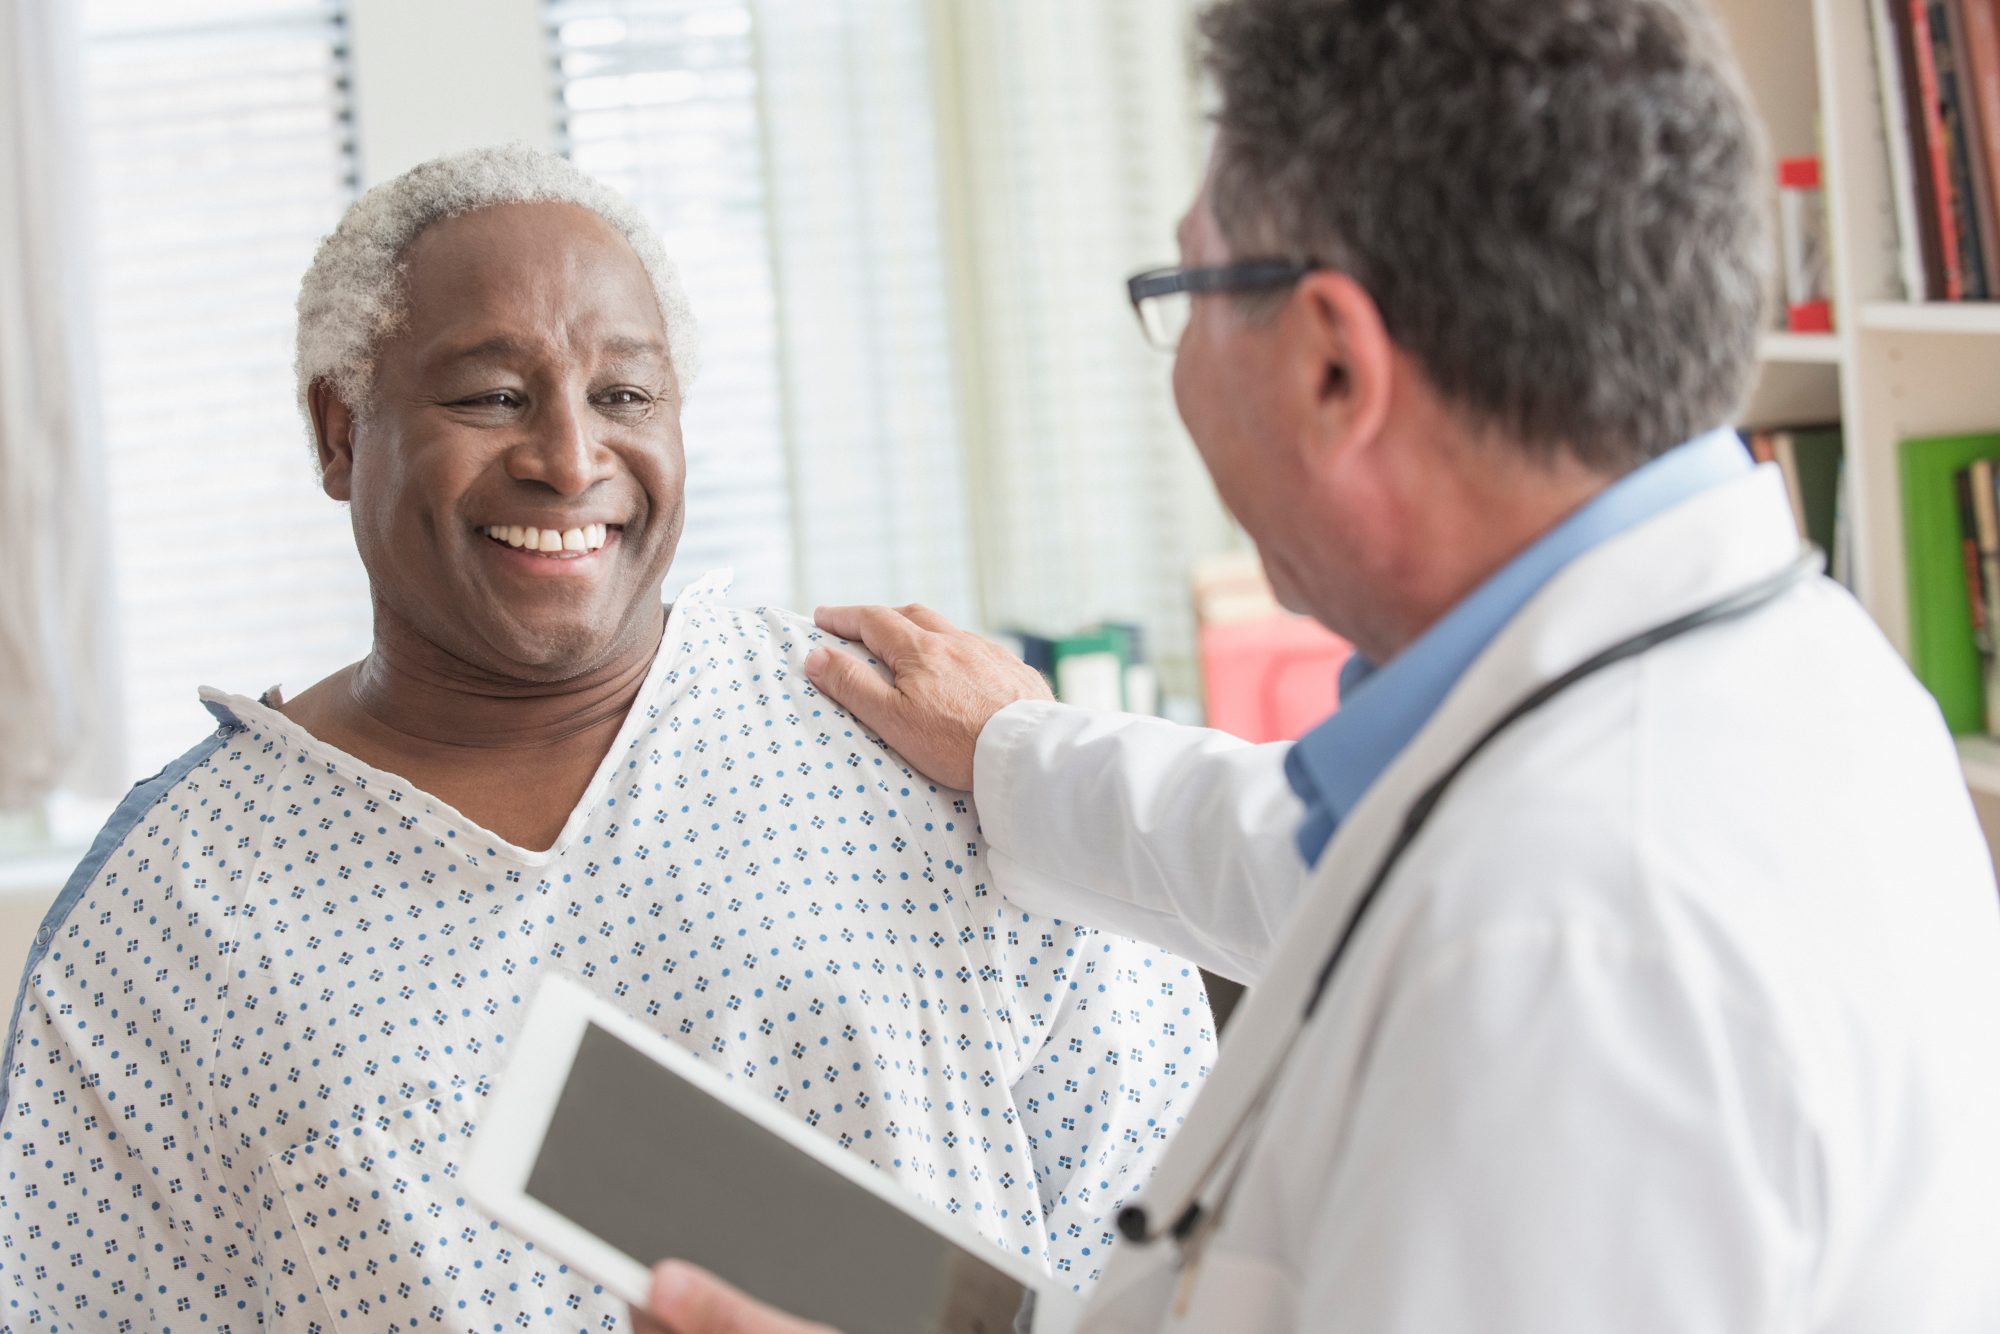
(498, 398)
(624, 396)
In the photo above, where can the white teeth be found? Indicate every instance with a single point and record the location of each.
(573, 541)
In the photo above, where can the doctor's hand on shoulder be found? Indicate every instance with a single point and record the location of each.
(945, 683)
(687, 1299)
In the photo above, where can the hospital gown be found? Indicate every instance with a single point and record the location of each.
(261, 1025)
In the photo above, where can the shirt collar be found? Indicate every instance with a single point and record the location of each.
(1382, 708)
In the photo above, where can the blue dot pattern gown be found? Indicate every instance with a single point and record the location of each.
(260, 1027)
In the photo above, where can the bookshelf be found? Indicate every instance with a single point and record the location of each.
(1777, 347)
(1894, 368)
(1940, 317)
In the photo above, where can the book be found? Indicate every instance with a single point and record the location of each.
(1960, 192)
(1788, 466)
(1894, 104)
(1981, 63)
(1975, 44)
(1840, 563)
(1986, 526)
(1944, 654)
(1102, 667)
(1975, 574)
(1090, 670)
(1812, 461)
(1934, 153)
(1818, 462)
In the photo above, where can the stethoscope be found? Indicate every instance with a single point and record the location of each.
(1200, 1209)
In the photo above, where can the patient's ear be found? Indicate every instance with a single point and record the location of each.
(333, 437)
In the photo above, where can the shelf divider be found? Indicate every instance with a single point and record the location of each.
(1932, 317)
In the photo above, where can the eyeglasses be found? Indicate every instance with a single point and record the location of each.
(1163, 298)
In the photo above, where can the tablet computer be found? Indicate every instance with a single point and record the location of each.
(613, 1148)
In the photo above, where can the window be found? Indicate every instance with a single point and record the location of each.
(660, 100)
(791, 166)
(906, 228)
(220, 151)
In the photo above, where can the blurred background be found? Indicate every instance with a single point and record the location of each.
(904, 224)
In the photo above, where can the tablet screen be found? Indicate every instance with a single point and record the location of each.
(656, 1167)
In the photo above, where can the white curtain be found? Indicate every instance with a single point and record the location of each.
(861, 249)
(1079, 146)
(58, 704)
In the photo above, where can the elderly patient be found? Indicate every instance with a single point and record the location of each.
(262, 1023)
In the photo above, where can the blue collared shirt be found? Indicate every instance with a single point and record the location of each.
(1382, 708)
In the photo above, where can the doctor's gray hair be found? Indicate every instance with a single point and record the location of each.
(1557, 205)
(352, 296)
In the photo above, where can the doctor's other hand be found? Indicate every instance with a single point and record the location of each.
(946, 684)
(687, 1299)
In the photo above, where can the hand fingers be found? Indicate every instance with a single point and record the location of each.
(926, 619)
(851, 683)
(694, 1301)
(887, 633)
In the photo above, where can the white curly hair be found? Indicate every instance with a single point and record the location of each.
(352, 296)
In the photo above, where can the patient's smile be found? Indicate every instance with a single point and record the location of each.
(555, 544)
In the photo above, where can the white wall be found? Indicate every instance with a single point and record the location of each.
(437, 76)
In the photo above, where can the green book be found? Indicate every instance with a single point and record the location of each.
(1816, 454)
(1943, 652)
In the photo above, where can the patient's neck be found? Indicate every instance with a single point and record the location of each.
(420, 691)
(514, 754)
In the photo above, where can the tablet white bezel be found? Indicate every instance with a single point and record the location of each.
(511, 1133)
(510, 1138)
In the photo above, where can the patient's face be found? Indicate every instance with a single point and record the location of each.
(529, 389)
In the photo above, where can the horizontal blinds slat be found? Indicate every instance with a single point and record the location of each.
(115, 25)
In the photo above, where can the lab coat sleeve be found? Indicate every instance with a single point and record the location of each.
(1128, 1045)
(1175, 835)
(1559, 1131)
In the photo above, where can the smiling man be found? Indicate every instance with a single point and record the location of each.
(258, 1030)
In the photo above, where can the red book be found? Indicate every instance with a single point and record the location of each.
(1923, 201)
(1975, 39)
(1936, 155)
(1980, 64)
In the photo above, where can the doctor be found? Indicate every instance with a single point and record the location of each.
(1676, 1005)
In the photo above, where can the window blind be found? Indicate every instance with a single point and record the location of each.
(660, 100)
(789, 155)
(220, 151)
(905, 227)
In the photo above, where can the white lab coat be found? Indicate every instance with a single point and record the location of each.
(1682, 1015)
